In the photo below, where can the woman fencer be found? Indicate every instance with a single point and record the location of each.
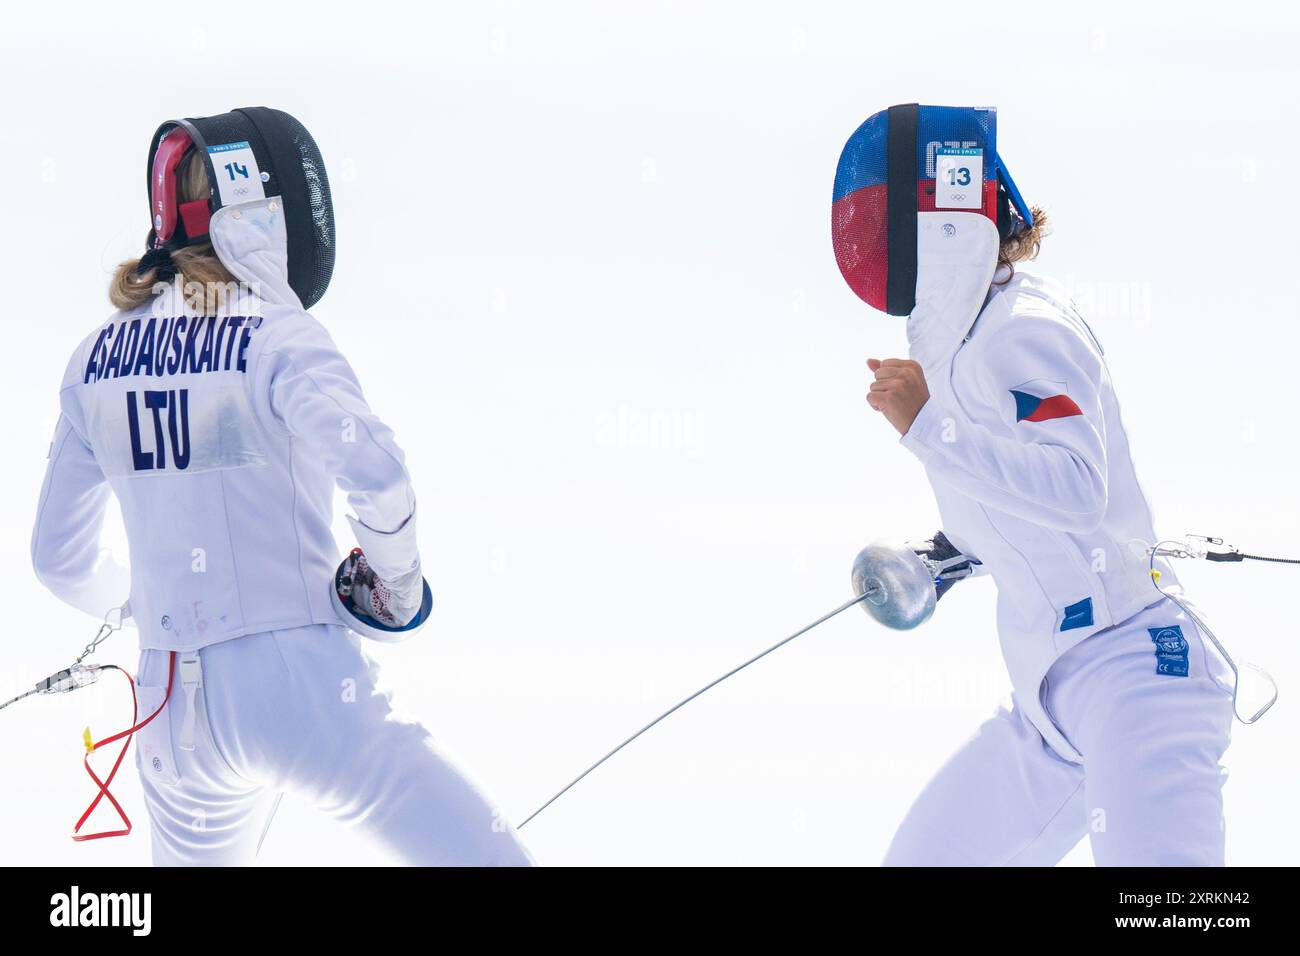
(1122, 708)
(221, 415)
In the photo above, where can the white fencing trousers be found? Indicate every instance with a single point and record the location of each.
(297, 710)
(1148, 792)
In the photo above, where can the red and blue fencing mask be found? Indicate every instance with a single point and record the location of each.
(921, 204)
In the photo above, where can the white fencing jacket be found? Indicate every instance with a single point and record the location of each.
(222, 438)
(1022, 441)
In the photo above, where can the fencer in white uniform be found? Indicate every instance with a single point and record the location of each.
(1121, 708)
(222, 432)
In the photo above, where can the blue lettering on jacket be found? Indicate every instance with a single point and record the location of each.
(182, 345)
(177, 404)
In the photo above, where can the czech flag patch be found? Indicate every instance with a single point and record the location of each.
(1042, 400)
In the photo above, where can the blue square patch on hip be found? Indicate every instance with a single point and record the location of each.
(1171, 650)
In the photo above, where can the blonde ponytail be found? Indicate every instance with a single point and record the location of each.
(197, 265)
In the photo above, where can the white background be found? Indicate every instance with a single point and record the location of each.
(585, 272)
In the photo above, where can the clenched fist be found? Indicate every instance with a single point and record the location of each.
(898, 392)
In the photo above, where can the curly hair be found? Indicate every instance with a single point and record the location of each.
(1024, 245)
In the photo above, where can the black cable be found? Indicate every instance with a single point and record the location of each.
(1260, 557)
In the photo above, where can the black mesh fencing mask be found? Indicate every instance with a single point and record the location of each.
(251, 154)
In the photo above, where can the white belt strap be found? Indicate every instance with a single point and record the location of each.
(191, 681)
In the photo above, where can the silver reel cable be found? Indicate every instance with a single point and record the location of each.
(78, 675)
(18, 698)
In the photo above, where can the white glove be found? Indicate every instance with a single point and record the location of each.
(373, 598)
(387, 582)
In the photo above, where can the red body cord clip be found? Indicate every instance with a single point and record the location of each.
(128, 733)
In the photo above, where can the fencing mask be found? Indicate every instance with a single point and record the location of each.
(921, 203)
(268, 214)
